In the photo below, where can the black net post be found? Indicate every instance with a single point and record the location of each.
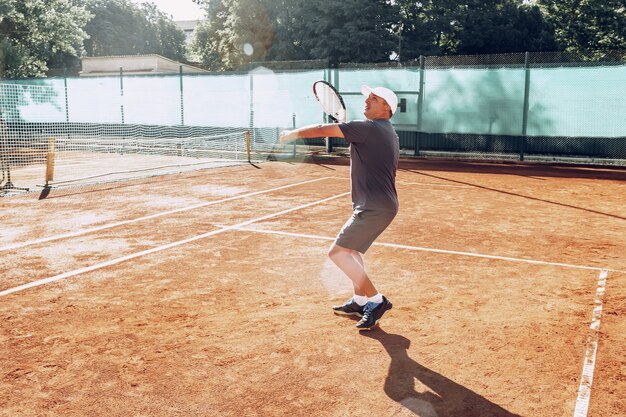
(420, 106)
(522, 147)
(182, 97)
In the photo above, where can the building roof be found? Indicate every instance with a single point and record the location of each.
(187, 25)
(134, 64)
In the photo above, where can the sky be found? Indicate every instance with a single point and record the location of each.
(179, 9)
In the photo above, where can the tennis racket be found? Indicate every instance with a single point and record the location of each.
(330, 100)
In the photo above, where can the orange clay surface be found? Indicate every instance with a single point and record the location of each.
(209, 294)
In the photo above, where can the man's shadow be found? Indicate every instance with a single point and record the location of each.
(446, 398)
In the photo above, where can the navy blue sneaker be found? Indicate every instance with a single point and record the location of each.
(372, 313)
(349, 308)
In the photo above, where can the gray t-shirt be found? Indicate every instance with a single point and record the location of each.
(374, 152)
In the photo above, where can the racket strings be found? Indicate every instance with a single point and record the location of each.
(330, 101)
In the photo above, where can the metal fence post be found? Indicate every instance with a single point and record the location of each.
(67, 105)
(182, 105)
(122, 93)
(420, 106)
(251, 124)
(522, 147)
(293, 125)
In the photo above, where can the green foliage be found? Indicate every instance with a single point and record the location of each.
(38, 34)
(371, 30)
(119, 27)
(236, 32)
(501, 27)
(170, 39)
(346, 31)
(472, 27)
(206, 40)
(286, 17)
(35, 32)
(584, 25)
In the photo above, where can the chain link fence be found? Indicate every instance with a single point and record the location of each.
(536, 106)
(555, 106)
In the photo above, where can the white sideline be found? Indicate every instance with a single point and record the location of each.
(422, 249)
(584, 391)
(425, 184)
(152, 216)
(430, 184)
(159, 248)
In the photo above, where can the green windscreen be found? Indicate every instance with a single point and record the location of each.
(567, 101)
(586, 102)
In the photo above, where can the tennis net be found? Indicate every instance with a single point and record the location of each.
(55, 136)
(66, 158)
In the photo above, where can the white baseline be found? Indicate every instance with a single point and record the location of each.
(433, 250)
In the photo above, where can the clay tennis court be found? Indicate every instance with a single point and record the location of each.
(209, 294)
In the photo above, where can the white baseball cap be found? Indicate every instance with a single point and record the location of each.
(384, 93)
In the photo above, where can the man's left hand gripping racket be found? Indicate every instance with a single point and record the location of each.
(330, 100)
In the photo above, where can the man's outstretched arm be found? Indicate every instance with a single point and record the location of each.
(312, 131)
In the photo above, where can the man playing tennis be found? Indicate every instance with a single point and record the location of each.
(374, 152)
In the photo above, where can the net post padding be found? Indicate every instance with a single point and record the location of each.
(248, 145)
(50, 160)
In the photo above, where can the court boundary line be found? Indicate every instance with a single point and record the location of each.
(149, 217)
(115, 261)
(434, 250)
(586, 379)
(589, 363)
(584, 392)
(429, 184)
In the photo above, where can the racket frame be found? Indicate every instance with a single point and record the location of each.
(334, 90)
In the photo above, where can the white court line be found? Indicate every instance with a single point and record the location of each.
(159, 248)
(584, 391)
(425, 184)
(152, 216)
(450, 252)
(43, 168)
(429, 184)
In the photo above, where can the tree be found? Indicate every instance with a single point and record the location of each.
(119, 27)
(207, 35)
(584, 25)
(249, 33)
(35, 32)
(205, 39)
(170, 39)
(435, 27)
(286, 17)
(500, 26)
(345, 31)
(235, 32)
(425, 27)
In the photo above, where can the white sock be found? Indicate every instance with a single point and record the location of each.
(360, 299)
(376, 299)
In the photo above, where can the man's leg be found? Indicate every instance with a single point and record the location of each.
(358, 256)
(351, 263)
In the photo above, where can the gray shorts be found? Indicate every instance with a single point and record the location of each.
(362, 229)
